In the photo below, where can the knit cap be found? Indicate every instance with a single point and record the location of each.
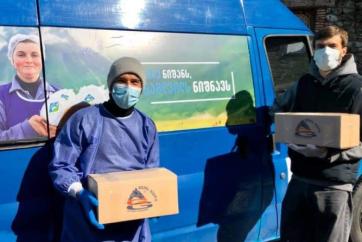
(125, 65)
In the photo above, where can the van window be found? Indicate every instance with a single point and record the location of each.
(21, 87)
(193, 80)
(289, 59)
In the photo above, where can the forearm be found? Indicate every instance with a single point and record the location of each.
(63, 176)
(153, 157)
(352, 154)
(63, 168)
(18, 132)
(285, 101)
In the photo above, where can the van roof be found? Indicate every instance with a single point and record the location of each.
(208, 16)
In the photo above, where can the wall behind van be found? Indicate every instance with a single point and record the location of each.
(346, 14)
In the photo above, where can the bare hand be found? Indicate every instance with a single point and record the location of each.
(52, 131)
(39, 125)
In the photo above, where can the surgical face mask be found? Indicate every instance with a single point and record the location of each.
(125, 96)
(327, 58)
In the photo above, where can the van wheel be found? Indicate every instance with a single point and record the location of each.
(356, 230)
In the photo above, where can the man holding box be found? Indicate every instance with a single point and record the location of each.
(113, 136)
(318, 202)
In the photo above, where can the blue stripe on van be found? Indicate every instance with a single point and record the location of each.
(209, 16)
(18, 13)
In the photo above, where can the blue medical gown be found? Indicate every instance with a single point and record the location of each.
(95, 141)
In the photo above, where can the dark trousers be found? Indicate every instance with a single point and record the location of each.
(312, 213)
(76, 228)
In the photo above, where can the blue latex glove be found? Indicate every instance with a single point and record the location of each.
(88, 201)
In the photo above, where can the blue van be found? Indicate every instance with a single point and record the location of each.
(213, 68)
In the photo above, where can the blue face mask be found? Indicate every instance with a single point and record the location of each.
(125, 96)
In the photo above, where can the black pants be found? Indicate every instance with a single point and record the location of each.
(76, 228)
(312, 213)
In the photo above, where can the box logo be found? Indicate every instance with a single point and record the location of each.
(141, 198)
(307, 128)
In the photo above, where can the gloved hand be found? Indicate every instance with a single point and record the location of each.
(88, 201)
(310, 150)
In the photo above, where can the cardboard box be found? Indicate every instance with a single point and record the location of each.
(130, 195)
(336, 130)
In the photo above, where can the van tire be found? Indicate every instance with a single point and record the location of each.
(356, 230)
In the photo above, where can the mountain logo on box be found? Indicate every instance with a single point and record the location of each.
(307, 128)
(137, 200)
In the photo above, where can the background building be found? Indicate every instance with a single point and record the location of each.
(344, 13)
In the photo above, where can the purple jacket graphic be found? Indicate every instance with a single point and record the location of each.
(16, 106)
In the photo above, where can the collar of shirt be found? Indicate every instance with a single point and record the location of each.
(15, 86)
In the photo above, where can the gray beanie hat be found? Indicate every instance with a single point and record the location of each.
(125, 65)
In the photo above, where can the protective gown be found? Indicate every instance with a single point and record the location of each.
(95, 141)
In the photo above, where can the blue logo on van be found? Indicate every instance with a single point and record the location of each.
(307, 128)
(54, 107)
(89, 98)
(64, 96)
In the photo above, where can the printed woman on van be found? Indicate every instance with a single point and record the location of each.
(22, 98)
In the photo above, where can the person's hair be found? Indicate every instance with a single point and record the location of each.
(331, 31)
(28, 41)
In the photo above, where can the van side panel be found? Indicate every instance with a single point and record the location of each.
(24, 185)
(229, 181)
(220, 191)
(14, 163)
(268, 219)
(279, 154)
(219, 168)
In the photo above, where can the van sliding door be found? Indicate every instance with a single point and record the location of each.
(284, 58)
